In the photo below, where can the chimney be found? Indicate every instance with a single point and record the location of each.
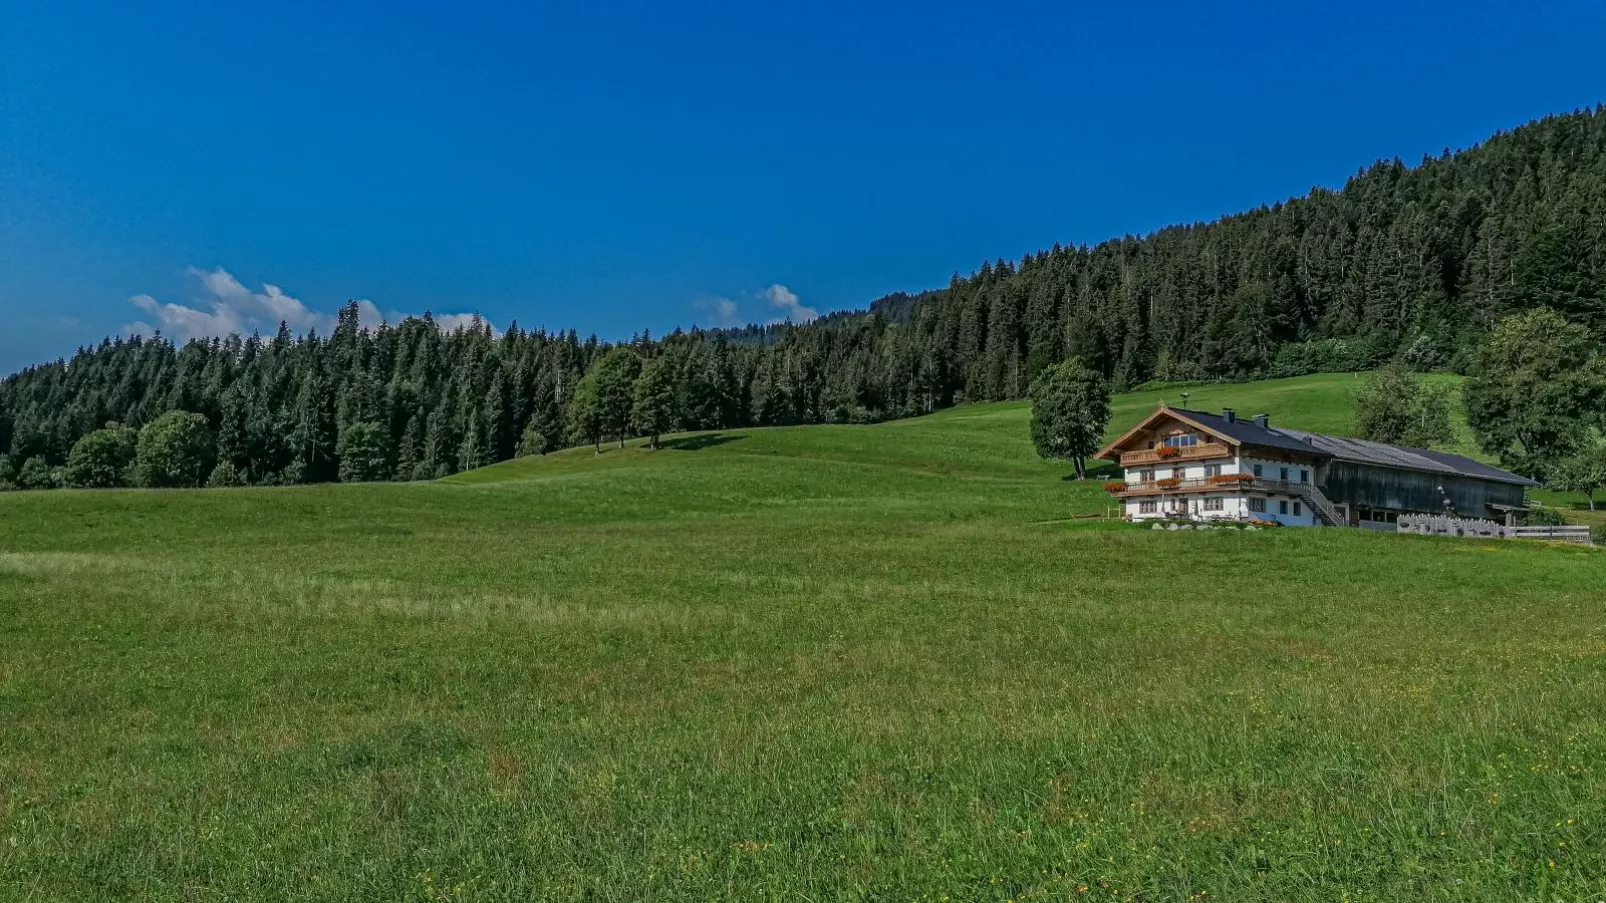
(1263, 421)
(1229, 415)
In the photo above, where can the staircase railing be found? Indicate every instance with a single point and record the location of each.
(1324, 509)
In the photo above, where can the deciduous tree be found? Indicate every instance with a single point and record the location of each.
(1396, 407)
(586, 423)
(1070, 409)
(653, 409)
(103, 459)
(1537, 384)
(615, 384)
(175, 450)
(1583, 472)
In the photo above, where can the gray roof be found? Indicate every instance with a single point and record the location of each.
(1379, 453)
(1360, 451)
(1251, 432)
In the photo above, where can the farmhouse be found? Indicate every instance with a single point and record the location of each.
(1182, 463)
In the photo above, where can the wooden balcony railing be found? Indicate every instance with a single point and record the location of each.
(1184, 453)
(1174, 486)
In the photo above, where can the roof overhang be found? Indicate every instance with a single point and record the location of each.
(1111, 451)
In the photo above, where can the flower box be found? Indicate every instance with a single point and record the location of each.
(1167, 451)
(1232, 479)
(1115, 486)
(1169, 482)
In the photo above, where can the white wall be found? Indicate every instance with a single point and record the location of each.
(1272, 470)
(1234, 504)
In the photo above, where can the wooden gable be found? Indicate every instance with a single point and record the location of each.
(1155, 428)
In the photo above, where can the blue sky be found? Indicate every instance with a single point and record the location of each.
(619, 166)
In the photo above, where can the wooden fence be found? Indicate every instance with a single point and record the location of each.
(1438, 525)
(1561, 533)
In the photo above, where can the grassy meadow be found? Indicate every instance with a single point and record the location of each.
(820, 663)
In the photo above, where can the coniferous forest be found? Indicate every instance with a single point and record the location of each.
(1405, 264)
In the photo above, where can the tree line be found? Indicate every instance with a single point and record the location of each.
(1410, 266)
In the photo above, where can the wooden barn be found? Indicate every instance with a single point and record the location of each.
(1195, 464)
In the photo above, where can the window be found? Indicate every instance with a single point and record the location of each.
(1304, 476)
(1186, 440)
(1284, 475)
(1145, 476)
(1212, 504)
(1296, 509)
(1212, 470)
(1146, 506)
(1257, 470)
(1257, 504)
(1282, 507)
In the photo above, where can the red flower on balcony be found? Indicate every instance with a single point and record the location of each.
(1232, 479)
(1115, 486)
(1167, 451)
(1169, 482)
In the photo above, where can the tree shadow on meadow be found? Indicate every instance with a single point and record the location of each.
(698, 443)
(1104, 471)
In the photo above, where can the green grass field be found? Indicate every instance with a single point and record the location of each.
(821, 663)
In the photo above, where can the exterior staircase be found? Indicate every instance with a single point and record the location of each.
(1324, 510)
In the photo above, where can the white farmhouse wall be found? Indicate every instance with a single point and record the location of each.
(1234, 506)
(1272, 470)
(1280, 507)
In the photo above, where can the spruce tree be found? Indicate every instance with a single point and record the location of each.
(365, 454)
(546, 414)
(312, 443)
(471, 452)
(410, 450)
(497, 420)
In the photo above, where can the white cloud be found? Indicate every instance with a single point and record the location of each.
(227, 306)
(368, 315)
(784, 307)
(786, 301)
(722, 311)
(453, 322)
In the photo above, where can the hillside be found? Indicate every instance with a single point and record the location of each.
(1409, 264)
(828, 662)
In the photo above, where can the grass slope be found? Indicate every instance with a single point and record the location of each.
(814, 663)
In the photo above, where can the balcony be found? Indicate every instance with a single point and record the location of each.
(1228, 483)
(1184, 453)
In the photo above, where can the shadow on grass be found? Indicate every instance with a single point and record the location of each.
(1103, 471)
(698, 443)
